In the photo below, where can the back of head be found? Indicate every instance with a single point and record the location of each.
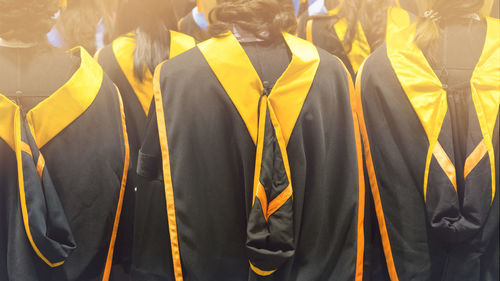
(264, 18)
(152, 20)
(78, 23)
(145, 14)
(372, 15)
(436, 11)
(26, 20)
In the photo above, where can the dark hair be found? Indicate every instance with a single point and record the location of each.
(152, 20)
(78, 23)
(428, 30)
(264, 18)
(26, 20)
(373, 17)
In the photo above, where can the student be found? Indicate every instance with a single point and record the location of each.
(353, 29)
(63, 154)
(429, 102)
(254, 137)
(130, 61)
(86, 23)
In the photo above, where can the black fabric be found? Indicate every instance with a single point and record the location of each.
(48, 225)
(29, 75)
(135, 119)
(325, 37)
(212, 160)
(86, 162)
(188, 26)
(421, 247)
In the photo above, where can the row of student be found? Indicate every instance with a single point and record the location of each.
(262, 160)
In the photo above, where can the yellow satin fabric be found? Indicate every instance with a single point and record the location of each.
(428, 98)
(123, 49)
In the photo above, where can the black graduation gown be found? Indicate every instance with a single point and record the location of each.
(431, 147)
(188, 26)
(117, 60)
(233, 143)
(63, 173)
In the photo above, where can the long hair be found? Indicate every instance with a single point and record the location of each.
(78, 22)
(26, 20)
(373, 17)
(152, 20)
(428, 29)
(264, 18)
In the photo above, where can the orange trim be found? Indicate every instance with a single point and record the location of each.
(309, 27)
(474, 158)
(26, 148)
(97, 53)
(40, 165)
(288, 192)
(18, 147)
(260, 271)
(179, 23)
(109, 259)
(374, 184)
(261, 194)
(260, 148)
(446, 164)
(279, 200)
(167, 177)
(360, 252)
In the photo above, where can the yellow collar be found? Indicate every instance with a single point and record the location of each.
(57, 111)
(123, 49)
(428, 98)
(241, 82)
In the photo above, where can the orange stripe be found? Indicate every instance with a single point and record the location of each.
(446, 164)
(260, 271)
(167, 177)
(179, 23)
(372, 177)
(261, 194)
(279, 200)
(109, 259)
(309, 28)
(40, 164)
(288, 192)
(474, 158)
(26, 148)
(361, 181)
(22, 146)
(260, 147)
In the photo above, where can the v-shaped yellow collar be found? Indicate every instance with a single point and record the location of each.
(427, 96)
(123, 49)
(57, 111)
(241, 82)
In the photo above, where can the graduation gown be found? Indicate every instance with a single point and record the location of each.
(431, 145)
(259, 183)
(64, 165)
(117, 60)
(317, 29)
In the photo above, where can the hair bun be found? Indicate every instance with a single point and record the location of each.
(28, 20)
